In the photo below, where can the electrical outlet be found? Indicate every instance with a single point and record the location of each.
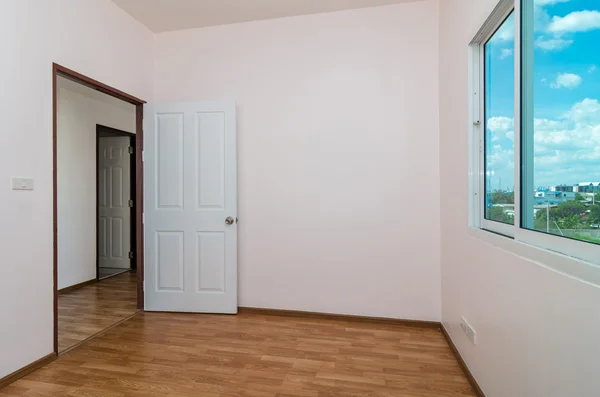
(468, 330)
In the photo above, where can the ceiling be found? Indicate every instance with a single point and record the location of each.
(167, 15)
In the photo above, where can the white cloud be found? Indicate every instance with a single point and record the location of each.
(578, 21)
(592, 69)
(567, 155)
(548, 2)
(553, 44)
(501, 128)
(550, 125)
(586, 112)
(567, 148)
(500, 158)
(506, 52)
(566, 80)
(500, 124)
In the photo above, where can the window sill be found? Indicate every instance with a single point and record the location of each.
(582, 270)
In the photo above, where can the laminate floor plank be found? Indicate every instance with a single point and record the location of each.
(86, 311)
(251, 355)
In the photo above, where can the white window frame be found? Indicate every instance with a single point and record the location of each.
(579, 250)
(477, 50)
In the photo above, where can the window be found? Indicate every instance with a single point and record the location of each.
(536, 104)
(499, 111)
(561, 119)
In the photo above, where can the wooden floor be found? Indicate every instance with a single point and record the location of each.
(93, 308)
(250, 355)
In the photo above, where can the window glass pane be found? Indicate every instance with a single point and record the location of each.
(499, 124)
(561, 118)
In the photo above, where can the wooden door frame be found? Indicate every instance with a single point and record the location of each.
(58, 70)
(100, 129)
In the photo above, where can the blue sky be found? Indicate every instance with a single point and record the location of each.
(566, 95)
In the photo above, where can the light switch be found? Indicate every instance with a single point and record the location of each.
(22, 184)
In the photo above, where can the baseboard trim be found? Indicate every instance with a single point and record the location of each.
(340, 317)
(462, 363)
(114, 275)
(7, 380)
(77, 286)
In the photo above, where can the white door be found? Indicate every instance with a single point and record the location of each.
(190, 206)
(114, 193)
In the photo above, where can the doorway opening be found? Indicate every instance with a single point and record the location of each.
(98, 207)
(115, 181)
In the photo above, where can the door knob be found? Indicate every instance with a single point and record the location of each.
(229, 220)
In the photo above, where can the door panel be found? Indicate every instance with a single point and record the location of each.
(210, 259)
(114, 193)
(210, 137)
(190, 180)
(169, 161)
(102, 251)
(169, 261)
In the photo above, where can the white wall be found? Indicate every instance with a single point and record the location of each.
(93, 37)
(538, 329)
(338, 153)
(80, 109)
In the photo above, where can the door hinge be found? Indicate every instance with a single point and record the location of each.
(130, 254)
(130, 203)
(143, 217)
(143, 158)
(144, 285)
(130, 149)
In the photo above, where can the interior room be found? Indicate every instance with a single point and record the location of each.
(323, 198)
(97, 285)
